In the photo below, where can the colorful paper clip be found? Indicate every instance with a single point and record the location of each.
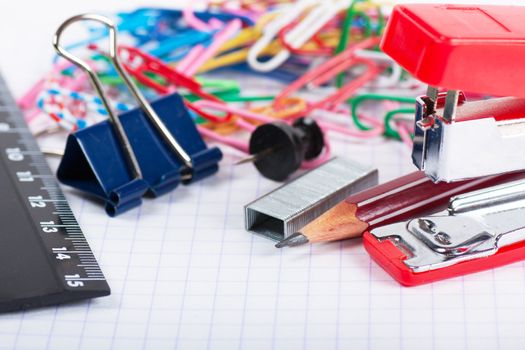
(271, 32)
(122, 158)
(73, 110)
(321, 13)
(328, 70)
(142, 66)
(146, 24)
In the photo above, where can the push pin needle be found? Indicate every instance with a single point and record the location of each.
(254, 157)
(277, 149)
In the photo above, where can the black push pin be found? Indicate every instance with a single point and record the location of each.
(277, 149)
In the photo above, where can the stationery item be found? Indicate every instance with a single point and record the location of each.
(390, 131)
(144, 67)
(149, 24)
(320, 14)
(471, 48)
(44, 256)
(479, 230)
(288, 110)
(328, 70)
(278, 148)
(395, 200)
(235, 50)
(121, 159)
(320, 44)
(270, 32)
(200, 54)
(287, 209)
(70, 109)
(173, 48)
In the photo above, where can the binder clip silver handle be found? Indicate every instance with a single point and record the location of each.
(143, 103)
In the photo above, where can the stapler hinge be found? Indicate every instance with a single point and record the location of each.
(455, 140)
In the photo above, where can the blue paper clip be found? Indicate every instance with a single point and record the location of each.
(284, 74)
(179, 45)
(123, 158)
(157, 24)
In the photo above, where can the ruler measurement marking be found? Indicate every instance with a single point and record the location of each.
(85, 279)
(40, 200)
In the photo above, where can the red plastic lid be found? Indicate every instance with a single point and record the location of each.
(461, 47)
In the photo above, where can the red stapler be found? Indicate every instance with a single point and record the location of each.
(475, 49)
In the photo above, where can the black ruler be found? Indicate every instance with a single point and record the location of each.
(44, 256)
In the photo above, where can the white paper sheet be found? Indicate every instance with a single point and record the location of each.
(186, 275)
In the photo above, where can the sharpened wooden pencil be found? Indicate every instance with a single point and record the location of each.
(392, 201)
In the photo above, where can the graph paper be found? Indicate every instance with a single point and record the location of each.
(186, 275)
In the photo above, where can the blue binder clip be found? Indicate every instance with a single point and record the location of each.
(123, 158)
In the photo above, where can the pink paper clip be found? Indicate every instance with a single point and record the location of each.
(329, 70)
(239, 145)
(28, 99)
(223, 107)
(28, 102)
(189, 16)
(347, 90)
(242, 114)
(192, 62)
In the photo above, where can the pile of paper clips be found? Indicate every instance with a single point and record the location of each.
(327, 49)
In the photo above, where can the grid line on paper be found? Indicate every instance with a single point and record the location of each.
(48, 341)
(307, 298)
(464, 310)
(276, 303)
(88, 306)
(19, 329)
(246, 284)
(128, 265)
(433, 319)
(400, 319)
(186, 282)
(223, 233)
(245, 301)
(496, 318)
(155, 282)
(338, 315)
(369, 325)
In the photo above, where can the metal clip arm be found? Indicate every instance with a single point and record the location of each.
(143, 103)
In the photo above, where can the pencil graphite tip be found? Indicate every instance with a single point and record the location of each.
(293, 240)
